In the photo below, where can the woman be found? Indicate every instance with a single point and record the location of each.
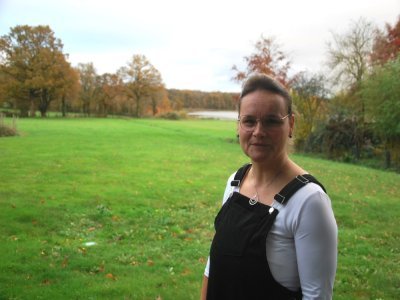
(276, 235)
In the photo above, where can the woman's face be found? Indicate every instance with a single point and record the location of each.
(265, 126)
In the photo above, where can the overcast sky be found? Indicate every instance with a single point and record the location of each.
(194, 43)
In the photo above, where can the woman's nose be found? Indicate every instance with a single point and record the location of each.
(258, 129)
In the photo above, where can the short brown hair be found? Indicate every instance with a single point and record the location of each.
(264, 82)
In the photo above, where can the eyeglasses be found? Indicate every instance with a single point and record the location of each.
(249, 123)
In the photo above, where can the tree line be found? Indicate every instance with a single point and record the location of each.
(350, 111)
(36, 76)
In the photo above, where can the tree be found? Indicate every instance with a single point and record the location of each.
(53, 82)
(349, 59)
(88, 82)
(309, 94)
(3, 96)
(268, 59)
(381, 93)
(70, 91)
(159, 102)
(35, 65)
(142, 80)
(387, 45)
(110, 87)
(165, 104)
(348, 56)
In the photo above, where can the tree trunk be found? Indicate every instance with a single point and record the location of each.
(44, 102)
(137, 107)
(63, 106)
(32, 109)
(154, 106)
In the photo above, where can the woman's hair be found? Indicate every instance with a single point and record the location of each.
(264, 82)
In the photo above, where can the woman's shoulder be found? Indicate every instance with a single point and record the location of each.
(307, 205)
(310, 192)
(309, 199)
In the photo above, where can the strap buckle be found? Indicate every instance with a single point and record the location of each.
(302, 179)
(235, 183)
(280, 198)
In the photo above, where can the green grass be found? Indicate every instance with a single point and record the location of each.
(146, 192)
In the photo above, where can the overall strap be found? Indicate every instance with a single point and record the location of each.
(293, 186)
(240, 174)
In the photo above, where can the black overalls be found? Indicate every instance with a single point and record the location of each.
(238, 263)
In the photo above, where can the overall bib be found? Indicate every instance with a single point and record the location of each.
(239, 268)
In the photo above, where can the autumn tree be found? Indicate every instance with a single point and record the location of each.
(35, 65)
(110, 87)
(88, 81)
(70, 91)
(309, 93)
(268, 58)
(142, 80)
(387, 44)
(165, 104)
(159, 102)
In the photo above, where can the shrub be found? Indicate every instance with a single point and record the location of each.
(6, 130)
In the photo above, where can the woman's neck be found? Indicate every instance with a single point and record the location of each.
(266, 172)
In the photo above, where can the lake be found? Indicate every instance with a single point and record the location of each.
(215, 114)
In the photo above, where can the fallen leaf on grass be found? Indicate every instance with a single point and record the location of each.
(111, 276)
(115, 218)
(64, 262)
(185, 272)
(150, 263)
(202, 260)
(46, 282)
(102, 267)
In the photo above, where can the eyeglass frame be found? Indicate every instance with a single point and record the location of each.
(259, 120)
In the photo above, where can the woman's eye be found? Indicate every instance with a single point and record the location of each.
(249, 121)
(272, 122)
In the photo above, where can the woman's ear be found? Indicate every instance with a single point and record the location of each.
(291, 125)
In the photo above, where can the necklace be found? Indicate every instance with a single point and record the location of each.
(256, 198)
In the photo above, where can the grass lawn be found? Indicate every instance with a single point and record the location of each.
(124, 209)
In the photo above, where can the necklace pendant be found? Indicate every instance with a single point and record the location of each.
(253, 200)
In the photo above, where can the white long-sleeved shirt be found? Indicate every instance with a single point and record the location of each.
(301, 247)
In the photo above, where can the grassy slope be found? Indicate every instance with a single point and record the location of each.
(146, 191)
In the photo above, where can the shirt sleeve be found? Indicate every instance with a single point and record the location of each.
(316, 247)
